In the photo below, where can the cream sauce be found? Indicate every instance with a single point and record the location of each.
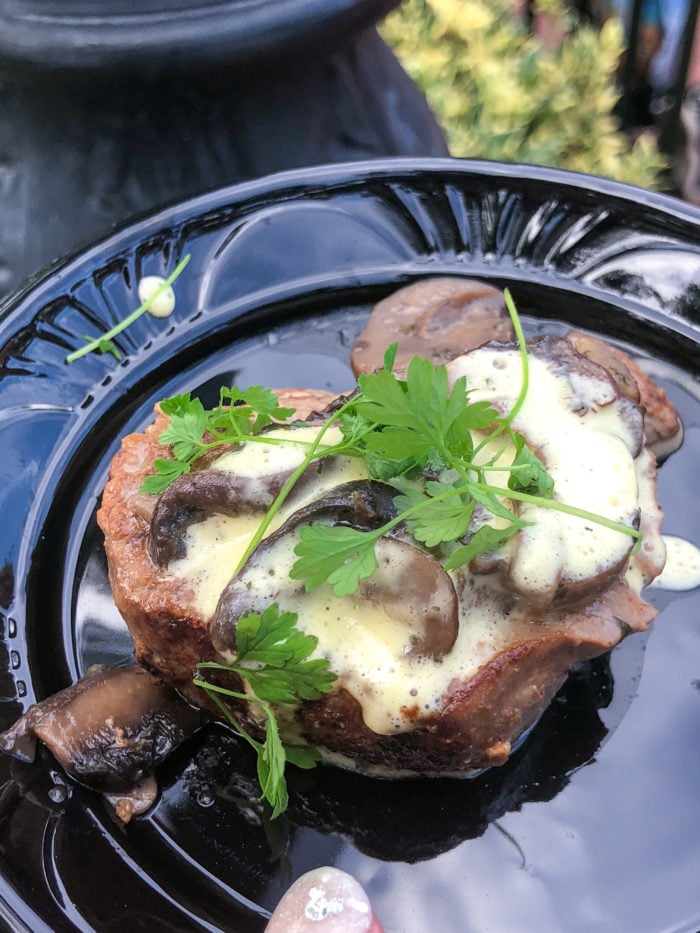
(215, 546)
(368, 646)
(163, 304)
(589, 456)
(682, 570)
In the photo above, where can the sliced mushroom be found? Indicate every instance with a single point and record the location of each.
(194, 496)
(663, 429)
(592, 384)
(438, 319)
(604, 355)
(409, 585)
(108, 730)
(416, 590)
(364, 504)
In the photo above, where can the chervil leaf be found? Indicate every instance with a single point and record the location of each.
(301, 756)
(297, 680)
(166, 472)
(440, 520)
(485, 539)
(104, 345)
(491, 502)
(185, 430)
(420, 418)
(261, 405)
(176, 405)
(384, 470)
(397, 444)
(265, 638)
(390, 356)
(272, 656)
(192, 430)
(476, 416)
(271, 762)
(530, 474)
(338, 555)
(353, 427)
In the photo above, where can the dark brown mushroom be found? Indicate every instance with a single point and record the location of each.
(194, 496)
(108, 731)
(413, 588)
(409, 584)
(365, 504)
(563, 358)
(604, 355)
(438, 319)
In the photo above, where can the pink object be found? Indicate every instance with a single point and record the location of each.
(325, 900)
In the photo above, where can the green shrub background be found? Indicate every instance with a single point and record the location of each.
(499, 94)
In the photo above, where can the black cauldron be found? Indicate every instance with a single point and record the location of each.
(110, 108)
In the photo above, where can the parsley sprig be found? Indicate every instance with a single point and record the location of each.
(273, 658)
(192, 430)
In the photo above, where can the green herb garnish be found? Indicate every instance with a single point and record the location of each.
(193, 431)
(272, 657)
(104, 344)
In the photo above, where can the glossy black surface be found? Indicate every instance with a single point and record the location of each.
(107, 33)
(111, 109)
(594, 823)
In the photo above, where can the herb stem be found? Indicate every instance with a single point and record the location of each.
(122, 325)
(288, 486)
(557, 506)
(525, 382)
(505, 422)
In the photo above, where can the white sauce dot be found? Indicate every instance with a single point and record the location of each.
(682, 570)
(164, 304)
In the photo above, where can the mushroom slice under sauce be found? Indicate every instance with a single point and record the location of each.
(410, 600)
(663, 429)
(244, 480)
(589, 435)
(108, 731)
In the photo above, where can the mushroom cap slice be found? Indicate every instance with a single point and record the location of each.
(194, 496)
(109, 730)
(438, 319)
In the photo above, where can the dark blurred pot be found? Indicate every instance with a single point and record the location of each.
(106, 112)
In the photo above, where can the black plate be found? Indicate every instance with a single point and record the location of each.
(594, 824)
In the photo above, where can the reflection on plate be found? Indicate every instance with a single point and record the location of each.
(593, 825)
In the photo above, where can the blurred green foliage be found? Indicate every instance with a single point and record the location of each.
(500, 93)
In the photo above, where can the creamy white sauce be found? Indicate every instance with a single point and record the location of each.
(682, 570)
(591, 460)
(164, 304)
(589, 456)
